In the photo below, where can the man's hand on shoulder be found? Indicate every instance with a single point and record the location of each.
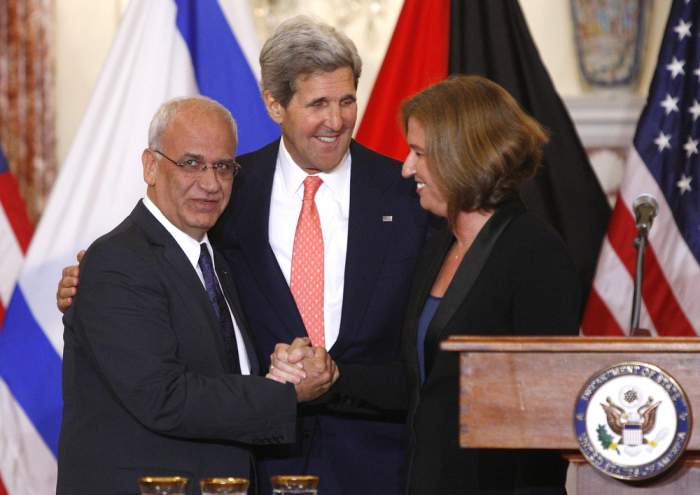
(67, 286)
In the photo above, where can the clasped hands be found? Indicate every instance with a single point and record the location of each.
(310, 369)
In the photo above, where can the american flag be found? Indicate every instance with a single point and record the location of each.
(665, 162)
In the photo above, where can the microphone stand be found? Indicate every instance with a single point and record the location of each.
(645, 209)
(640, 243)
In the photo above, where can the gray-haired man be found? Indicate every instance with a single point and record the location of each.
(373, 229)
(159, 373)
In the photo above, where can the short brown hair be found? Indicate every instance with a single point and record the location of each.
(480, 144)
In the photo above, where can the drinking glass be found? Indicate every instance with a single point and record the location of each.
(230, 486)
(165, 485)
(294, 485)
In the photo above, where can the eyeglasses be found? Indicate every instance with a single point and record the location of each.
(195, 168)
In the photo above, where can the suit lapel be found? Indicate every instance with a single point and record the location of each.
(420, 289)
(184, 277)
(467, 273)
(252, 211)
(363, 263)
(231, 294)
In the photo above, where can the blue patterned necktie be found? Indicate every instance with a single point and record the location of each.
(220, 307)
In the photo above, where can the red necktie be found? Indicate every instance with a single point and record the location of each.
(307, 264)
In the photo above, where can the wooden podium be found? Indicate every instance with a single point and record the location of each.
(520, 392)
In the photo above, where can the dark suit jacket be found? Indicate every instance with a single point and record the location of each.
(144, 383)
(516, 279)
(387, 228)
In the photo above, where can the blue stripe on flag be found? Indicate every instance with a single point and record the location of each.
(29, 363)
(3, 162)
(222, 71)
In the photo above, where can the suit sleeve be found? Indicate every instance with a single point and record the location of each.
(383, 386)
(159, 361)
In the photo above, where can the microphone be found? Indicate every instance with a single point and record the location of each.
(645, 207)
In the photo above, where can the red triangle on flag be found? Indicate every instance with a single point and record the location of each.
(421, 37)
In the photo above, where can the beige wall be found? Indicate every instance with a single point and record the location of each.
(84, 31)
(550, 23)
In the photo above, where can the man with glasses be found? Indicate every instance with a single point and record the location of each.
(160, 377)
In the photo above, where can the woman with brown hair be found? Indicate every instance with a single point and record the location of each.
(498, 270)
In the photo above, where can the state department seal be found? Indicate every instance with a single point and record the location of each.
(632, 421)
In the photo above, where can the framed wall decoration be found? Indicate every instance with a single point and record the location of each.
(609, 37)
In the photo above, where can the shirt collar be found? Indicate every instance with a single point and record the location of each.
(189, 245)
(293, 176)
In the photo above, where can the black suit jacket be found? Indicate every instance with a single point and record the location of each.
(516, 279)
(387, 229)
(144, 383)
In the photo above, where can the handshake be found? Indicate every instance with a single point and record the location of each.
(310, 369)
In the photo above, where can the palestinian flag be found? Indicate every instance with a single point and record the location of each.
(490, 38)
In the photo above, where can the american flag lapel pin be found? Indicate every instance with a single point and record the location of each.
(387, 218)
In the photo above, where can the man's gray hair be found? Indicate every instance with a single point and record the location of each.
(300, 46)
(171, 108)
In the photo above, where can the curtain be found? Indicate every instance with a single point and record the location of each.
(27, 115)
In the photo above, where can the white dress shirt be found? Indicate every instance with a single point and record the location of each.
(333, 203)
(192, 250)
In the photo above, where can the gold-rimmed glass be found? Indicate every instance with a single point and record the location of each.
(228, 486)
(295, 485)
(163, 485)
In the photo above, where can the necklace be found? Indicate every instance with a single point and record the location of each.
(459, 253)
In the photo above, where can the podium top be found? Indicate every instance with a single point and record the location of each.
(572, 344)
(521, 392)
